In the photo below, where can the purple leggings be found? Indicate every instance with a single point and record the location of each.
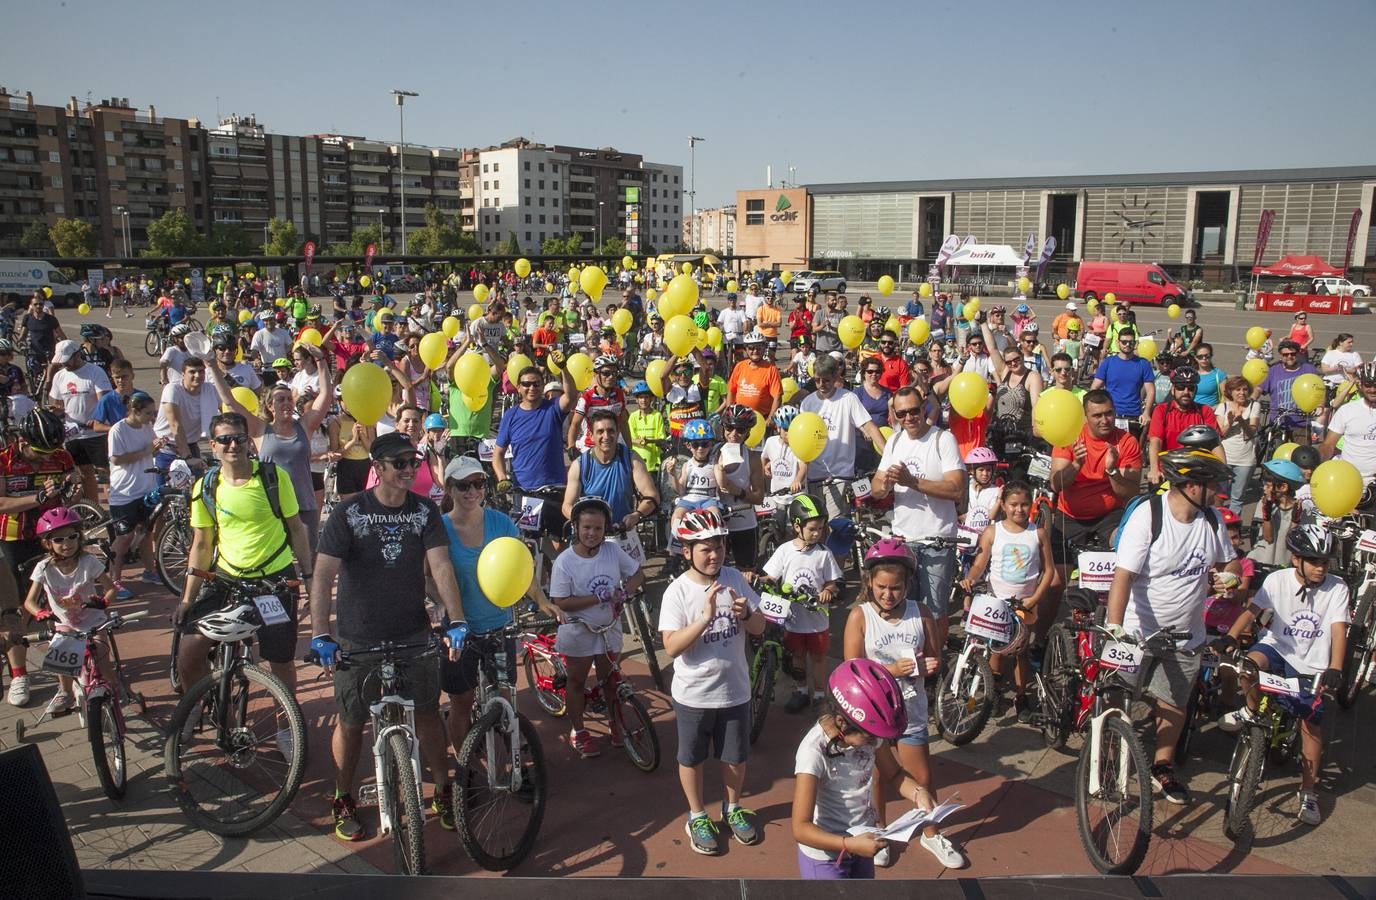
(849, 866)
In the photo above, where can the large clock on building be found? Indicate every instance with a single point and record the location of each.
(1134, 220)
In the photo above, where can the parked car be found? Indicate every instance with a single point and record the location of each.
(824, 280)
(1134, 282)
(1339, 286)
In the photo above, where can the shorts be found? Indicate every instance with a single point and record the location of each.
(814, 643)
(125, 517)
(1171, 676)
(89, 451)
(833, 497)
(725, 732)
(931, 586)
(276, 643)
(744, 546)
(1068, 535)
(552, 519)
(358, 687)
(351, 475)
(317, 480)
(848, 867)
(310, 518)
(1307, 706)
(915, 736)
(457, 678)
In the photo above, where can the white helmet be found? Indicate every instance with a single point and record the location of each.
(231, 625)
(179, 475)
(180, 329)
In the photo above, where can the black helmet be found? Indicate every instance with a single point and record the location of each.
(1199, 437)
(585, 503)
(1309, 542)
(805, 507)
(1194, 467)
(739, 415)
(224, 340)
(1306, 457)
(90, 331)
(1185, 377)
(42, 428)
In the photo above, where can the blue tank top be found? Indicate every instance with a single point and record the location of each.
(878, 408)
(480, 613)
(610, 481)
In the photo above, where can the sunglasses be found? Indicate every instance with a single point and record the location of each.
(905, 413)
(736, 428)
(873, 372)
(700, 445)
(64, 538)
(1062, 369)
(402, 463)
(226, 440)
(607, 372)
(473, 484)
(529, 384)
(1203, 356)
(1288, 353)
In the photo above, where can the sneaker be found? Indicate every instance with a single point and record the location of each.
(19, 690)
(1023, 706)
(285, 745)
(150, 577)
(796, 703)
(1232, 722)
(702, 835)
(742, 828)
(614, 738)
(884, 858)
(945, 852)
(584, 743)
(122, 592)
(1163, 781)
(1309, 808)
(346, 824)
(442, 805)
(61, 704)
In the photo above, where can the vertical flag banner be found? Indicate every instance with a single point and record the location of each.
(1048, 249)
(309, 250)
(1263, 235)
(368, 253)
(1351, 238)
(1030, 248)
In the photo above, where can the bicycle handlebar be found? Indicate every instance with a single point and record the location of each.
(385, 650)
(117, 620)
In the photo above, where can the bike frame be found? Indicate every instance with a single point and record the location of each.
(390, 714)
(490, 695)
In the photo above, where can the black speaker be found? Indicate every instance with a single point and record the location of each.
(38, 860)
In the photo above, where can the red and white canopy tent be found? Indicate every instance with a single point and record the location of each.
(1298, 267)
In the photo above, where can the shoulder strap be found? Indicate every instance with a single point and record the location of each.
(1157, 511)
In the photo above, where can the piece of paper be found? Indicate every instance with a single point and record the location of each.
(901, 829)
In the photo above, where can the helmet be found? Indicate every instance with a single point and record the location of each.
(231, 625)
(1072, 325)
(754, 338)
(1199, 437)
(641, 388)
(6, 346)
(698, 430)
(1031, 328)
(280, 316)
(699, 525)
(805, 507)
(1184, 376)
(981, 456)
(434, 420)
(179, 475)
(608, 330)
(42, 428)
(1283, 470)
(224, 340)
(1194, 467)
(585, 503)
(1228, 517)
(281, 362)
(89, 331)
(606, 360)
(784, 416)
(869, 697)
(55, 518)
(1366, 373)
(1306, 457)
(890, 550)
(738, 414)
(1309, 542)
(181, 329)
(730, 295)
(1023, 309)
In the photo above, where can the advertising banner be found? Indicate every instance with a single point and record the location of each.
(1351, 238)
(1322, 304)
(309, 250)
(368, 253)
(1268, 216)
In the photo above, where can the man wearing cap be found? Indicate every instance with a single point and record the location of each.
(77, 387)
(996, 333)
(755, 380)
(378, 544)
(1061, 326)
(272, 342)
(732, 323)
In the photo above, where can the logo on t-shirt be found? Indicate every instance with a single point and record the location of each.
(601, 587)
(1193, 566)
(723, 627)
(1304, 625)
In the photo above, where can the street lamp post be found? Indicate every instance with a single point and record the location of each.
(266, 239)
(600, 204)
(379, 228)
(401, 147)
(123, 235)
(693, 188)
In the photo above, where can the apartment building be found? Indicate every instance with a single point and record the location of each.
(714, 228)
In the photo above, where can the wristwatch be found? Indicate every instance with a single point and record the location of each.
(1114, 472)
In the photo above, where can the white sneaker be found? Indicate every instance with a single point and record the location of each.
(945, 852)
(60, 705)
(884, 858)
(285, 745)
(19, 691)
(1309, 808)
(1232, 722)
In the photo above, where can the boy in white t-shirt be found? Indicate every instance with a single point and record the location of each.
(131, 449)
(1307, 639)
(704, 618)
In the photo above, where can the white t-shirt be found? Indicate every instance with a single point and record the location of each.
(732, 323)
(242, 375)
(173, 357)
(64, 590)
(271, 345)
(1302, 630)
(753, 302)
(979, 364)
(195, 410)
(304, 381)
(1349, 358)
(79, 392)
(844, 793)
(979, 504)
(598, 576)
(844, 416)
(713, 673)
(129, 482)
(1356, 423)
(1173, 573)
(782, 463)
(808, 569)
(916, 514)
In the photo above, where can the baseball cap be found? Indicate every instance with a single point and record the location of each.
(391, 444)
(65, 350)
(1071, 306)
(555, 386)
(461, 468)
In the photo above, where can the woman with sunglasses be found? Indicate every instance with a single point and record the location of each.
(1211, 379)
(875, 398)
(1301, 332)
(1017, 389)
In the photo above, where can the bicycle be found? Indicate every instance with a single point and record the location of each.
(1359, 661)
(156, 340)
(965, 697)
(396, 750)
(501, 764)
(771, 656)
(228, 781)
(640, 617)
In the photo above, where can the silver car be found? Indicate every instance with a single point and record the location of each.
(825, 280)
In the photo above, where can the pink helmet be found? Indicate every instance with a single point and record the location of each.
(869, 697)
(981, 456)
(890, 550)
(55, 518)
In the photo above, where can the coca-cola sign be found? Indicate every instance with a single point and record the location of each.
(1322, 304)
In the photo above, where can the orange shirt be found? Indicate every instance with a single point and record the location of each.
(1090, 496)
(767, 320)
(756, 386)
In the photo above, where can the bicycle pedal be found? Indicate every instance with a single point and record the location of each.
(367, 795)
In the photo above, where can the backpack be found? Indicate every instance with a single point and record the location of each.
(267, 477)
(1155, 503)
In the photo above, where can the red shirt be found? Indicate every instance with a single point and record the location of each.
(1168, 420)
(23, 479)
(799, 323)
(896, 373)
(1090, 495)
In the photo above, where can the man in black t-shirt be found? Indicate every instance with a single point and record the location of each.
(377, 543)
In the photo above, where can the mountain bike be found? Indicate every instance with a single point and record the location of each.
(640, 617)
(770, 656)
(965, 697)
(223, 756)
(501, 784)
(1359, 659)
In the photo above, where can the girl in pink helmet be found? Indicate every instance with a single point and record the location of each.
(897, 634)
(981, 493)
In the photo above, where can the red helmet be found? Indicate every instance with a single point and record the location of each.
(699, 525)
(1228, 517)
(55, 518)
(869, 697)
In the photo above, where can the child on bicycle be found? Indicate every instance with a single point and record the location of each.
(981, 493)
(806, 565)
(897, 633)
(647, 427)
(589, 579)
(1278, 510)
(695, 480)
(834, 773)
(67, 580)
(1307, 639)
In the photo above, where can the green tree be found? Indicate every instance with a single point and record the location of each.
(567, 245)
(35, 237)
(230, 240)
(612, 246)
(282, 239)
(73, 238)
(358, 244)
(174, 234)
(509, 247)
(441, 236)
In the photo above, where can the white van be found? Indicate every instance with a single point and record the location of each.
(24, 276)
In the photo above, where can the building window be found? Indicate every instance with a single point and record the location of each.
(555, 203)
(496, 185)
(542, 201)
(60, 209)
(487, 185)
(526, 165)
(484, 169)
(542, 237)
(110, 136)
(54, 156)
(554, 167)
(542, 220)
(542, 167)
(527, 235)
(177, 164)
(57, 181)
(496, 167)
(556, 220)
(654, 207)
(527, 221)
(542, 184)
(675, 179)
(527, 180)
(675, 195)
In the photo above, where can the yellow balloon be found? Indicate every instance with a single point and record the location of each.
(885, 285)
(505, 571)
(1254, 370)
(1337, 487)
(970, 311)
(474, 404)
(282, 302)
(47, 292)
(592, 280)
(1024, 285)
(244, 315)
(247, 399)
(363, 281)
(310, 336)
(790, 387)
(924, 289)
(1308, 392)
(714, 337)
(549, 287)
(969, 394)
(680, 335)
(1058, 417)
(1110, 298)
(573, 279)
(732, 286)
(650, 295)
(580, 367)
(521, 267)
(433, 349)
(1146, 348)
(1063, 291)
(366, 391)
(886, 432)
(1092, 306)
(674, 304)
(686, 268)
(894, 325)
(1284, 450)
(654, 376)
(515, 363)
(450, 326)
(84, 308)
(627, 263)
(1173, 310)
(786, 277)
(472, 374)
(622, 321)
(807, 436)
(475, 311)
(1256, 336)
(851, 331)
(480, 292)
(919, 330)
(553, 366)
(249, 276)
(756, 432)
(685, 287)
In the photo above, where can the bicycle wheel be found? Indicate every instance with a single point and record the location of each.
(174, 553)
(638, 735)
(1357, 660)
(1244, 777)
(498, 825)
(1060, 678)
(151, 345)
(235, 780)
(762, 689)
(1182, 743)
(963, 708)
(546, 676)
(93, 518)
(175, 673)
(107, 746)
(640, 621)
(1115, 822)
(404, 806)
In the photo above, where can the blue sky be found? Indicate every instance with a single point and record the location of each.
(853, 91)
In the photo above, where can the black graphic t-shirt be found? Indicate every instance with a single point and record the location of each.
(382, 574)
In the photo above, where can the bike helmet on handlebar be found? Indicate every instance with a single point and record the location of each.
(42, 428)
(698, 430)
(231, 625)
(869, 698)
(55, 518)
(981, 456)
(1283, 470)
(784, 416)
(1181, 467)
(890, 550)
(1309, 542)
(1199, 437)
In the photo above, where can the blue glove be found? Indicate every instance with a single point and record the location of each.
(456, 634)
(324, 648)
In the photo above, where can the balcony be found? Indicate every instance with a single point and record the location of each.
(370, 167)
(371, 188)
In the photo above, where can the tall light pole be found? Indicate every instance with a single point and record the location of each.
(266, 239)
(600, 204)
(401, 116)
(693, 187)
(379, 228)
(123, 235)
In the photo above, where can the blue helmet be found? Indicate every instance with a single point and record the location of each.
(698, 430)
(434, 420)
(784, 416)
(641, 387)
(1283, 470)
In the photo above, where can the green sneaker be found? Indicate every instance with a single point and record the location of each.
(742, 828)
(346, 824)
(442, 805)
(702, 834)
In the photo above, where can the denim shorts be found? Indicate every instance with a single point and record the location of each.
(1307, 706)
(725, 733)
(936, 572)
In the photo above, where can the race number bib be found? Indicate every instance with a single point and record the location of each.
(775, 608)
(531, 509)
(65, 654)
(270, 608)
(990, 618)
(967, 536)
(1123, 657)
(1039, 467)
(1366, 541)
(1121, 423)
(1274, 684)
(861, 487)
(1096, 570)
